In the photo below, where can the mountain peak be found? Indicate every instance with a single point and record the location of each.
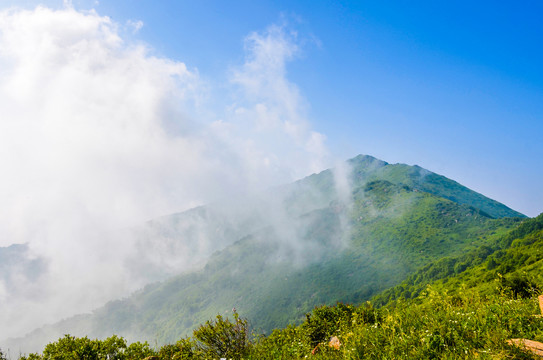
(361, 160)
(369, 168)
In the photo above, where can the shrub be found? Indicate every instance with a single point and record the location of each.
(70, 347)
(182, 350)
(138, 350)
(518, 286)
(222, 338)
(327, 321)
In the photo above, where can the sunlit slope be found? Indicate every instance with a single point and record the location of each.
(512, 261)
(395, 220)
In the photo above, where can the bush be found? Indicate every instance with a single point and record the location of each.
(326, 321)
(182, 350)
(222, 338)
(518, 286)
(138, 350)
(70, 347)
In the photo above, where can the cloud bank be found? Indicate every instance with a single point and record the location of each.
(97, 134)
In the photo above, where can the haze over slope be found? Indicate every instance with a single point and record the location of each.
(98, 133)
(340, 235)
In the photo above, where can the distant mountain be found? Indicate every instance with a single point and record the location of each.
(17, 264)
(344, 234)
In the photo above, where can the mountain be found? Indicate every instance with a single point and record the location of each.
(473, 312)
(421, 179)
(344, 234)
(17, 264)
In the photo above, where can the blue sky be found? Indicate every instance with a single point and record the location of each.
(454, 87)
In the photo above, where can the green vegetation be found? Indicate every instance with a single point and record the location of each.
(435, 326)
(460, 307)
(423, 180)
(393, 232)
(402, 229)
(515, 258)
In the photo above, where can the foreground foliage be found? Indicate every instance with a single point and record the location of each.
(439, 326)
(436, 325)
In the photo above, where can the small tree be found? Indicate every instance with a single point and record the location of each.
(222, 338)
(139, 350)
(72, 348)
(113, 348)
(182, 350)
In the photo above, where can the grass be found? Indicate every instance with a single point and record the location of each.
(436, 325)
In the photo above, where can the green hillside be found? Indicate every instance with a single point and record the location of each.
(510, 262)
(471, 313)
(320, 248)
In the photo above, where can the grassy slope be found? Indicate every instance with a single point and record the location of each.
(457, 308)
(516, 255)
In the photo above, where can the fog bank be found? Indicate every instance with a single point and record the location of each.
(99, 134)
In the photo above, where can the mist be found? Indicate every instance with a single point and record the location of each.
(99, 135)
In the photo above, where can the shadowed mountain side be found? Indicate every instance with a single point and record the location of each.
(17, 264)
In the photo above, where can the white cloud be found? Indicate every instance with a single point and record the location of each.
(97, 135)
(84, 150)
(273, 104)
(135, 25)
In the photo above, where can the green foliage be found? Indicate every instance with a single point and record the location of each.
(394, 231)
(139, 350)
(518, 286)
(463, 314)
(74, 348)
(222, 338)
(182, 350)
(517, 267)
(70, 347)
(436, 326)
(287, 343)
(326, 321)
(526, 227)
(426, 181)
